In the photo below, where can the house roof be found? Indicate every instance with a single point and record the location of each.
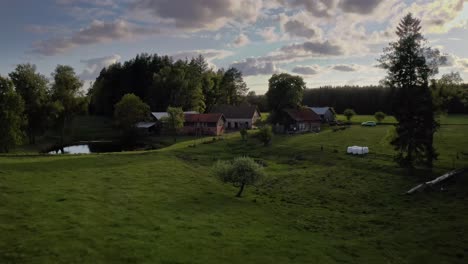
(159, 115)
(204, 118)
(320, 110)
(243, 111)
(145, 124)
(303, 114)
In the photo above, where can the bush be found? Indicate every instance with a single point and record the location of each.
(349, 113)
(244, 133)
(380, 116)
(265, 134)
(240, 172)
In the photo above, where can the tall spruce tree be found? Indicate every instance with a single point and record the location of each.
(409, 64)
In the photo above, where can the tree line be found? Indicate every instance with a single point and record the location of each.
(367, 100)
(30, 105)
(162, 82)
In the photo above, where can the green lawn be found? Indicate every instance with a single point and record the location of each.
(164, 206)
(443, 119)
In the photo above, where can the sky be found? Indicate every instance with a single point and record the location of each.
(327, 42)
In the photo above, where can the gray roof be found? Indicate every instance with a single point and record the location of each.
(145, 124)
(243, 111)
(320, 110)
(159, 115)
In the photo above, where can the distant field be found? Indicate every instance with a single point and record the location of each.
(315, 206)
(444, 119)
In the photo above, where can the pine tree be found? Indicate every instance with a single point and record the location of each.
(409, 64)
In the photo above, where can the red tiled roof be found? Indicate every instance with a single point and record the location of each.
(205, 118)
(303, 114)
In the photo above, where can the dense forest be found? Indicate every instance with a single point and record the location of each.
(366, 100)
(161, 82)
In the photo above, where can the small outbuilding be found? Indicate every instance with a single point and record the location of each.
(297, 121)
(146, 127)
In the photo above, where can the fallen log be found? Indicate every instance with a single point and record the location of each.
(446, 176)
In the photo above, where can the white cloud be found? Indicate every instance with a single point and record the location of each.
(253, 66)
(345, 67)
(241, 40)
(297, 28)
(94, 66)
(307, 70)
(202, 14)
(97, 32)
(269, 34)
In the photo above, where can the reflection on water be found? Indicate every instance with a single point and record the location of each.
(77, 149)
(95, 147)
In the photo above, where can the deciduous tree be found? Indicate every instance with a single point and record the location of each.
(284, 91)
(380, 116)
(68, 101)
(240, 172)
(233, 87)
(349, 113)
(32, 87)
(265, 134)
(174, 122)
(128, 112)
(12, 118)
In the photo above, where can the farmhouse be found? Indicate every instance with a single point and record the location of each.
(204, 124)
(326, 113)
(237, 117)
(299, 121)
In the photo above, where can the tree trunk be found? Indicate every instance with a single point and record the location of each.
(430, 156)
(240, 190)
(410, 161)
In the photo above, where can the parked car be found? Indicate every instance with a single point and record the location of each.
(369, 123)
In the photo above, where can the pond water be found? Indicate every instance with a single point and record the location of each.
(87, 148)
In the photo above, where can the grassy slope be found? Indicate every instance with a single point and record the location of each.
(163, 206)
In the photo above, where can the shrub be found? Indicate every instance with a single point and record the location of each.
(265, 134)
(349, 113)
(380, 116)
(244, 133)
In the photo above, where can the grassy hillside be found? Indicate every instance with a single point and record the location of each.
(164, 206)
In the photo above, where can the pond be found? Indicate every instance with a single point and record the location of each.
(88, 148)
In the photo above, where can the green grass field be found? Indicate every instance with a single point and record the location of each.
(443, 119)
(164, 206)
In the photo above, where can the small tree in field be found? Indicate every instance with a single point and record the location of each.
(244, 134)
(265, 134)
(240, 172)
(349, 113)
(380, 116)
(174, 122)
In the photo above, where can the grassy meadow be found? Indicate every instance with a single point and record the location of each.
(316, 205)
